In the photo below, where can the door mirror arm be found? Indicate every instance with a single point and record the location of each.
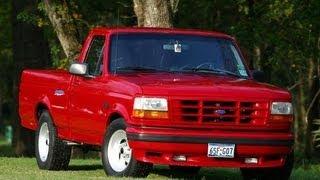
(258, 75)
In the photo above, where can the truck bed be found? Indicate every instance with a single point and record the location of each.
(39, 86)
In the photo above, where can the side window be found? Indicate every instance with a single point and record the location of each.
(94, 57)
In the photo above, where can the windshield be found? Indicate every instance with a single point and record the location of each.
(174, 53)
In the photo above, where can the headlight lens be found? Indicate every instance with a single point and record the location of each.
(149, 107)
(143, 103)
(281, 108)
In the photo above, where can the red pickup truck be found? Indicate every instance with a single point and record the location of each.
(144, 96)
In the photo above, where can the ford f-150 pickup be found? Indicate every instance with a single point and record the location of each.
(144, 96)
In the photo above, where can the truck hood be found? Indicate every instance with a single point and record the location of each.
(205, 85)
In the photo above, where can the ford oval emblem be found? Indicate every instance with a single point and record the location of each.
(220, 112)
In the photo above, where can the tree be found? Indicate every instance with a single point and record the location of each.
(63, 24)
(30, 50)
(155, 13)
(5, 61)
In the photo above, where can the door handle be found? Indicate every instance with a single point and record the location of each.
(59, 92)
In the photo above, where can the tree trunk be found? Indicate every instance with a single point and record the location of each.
(30, 50)
(64, 26)
(264, 65)
(155, 13)
(311, 115)
(300, 123)
(313, 111)
(254, 62)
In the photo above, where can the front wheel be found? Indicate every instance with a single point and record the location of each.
(282, 173)
(117, 157)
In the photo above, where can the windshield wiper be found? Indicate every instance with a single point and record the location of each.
(138, 68)
(228, 73)
(216, 71)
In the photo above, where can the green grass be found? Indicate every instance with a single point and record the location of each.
(26, 168)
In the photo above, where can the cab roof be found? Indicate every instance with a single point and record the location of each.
(113, 30)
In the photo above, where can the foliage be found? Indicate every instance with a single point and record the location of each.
(86, 15)
(6, 62)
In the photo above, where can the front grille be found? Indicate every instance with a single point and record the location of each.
(213, 111)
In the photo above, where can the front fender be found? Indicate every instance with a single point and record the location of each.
(121, 110)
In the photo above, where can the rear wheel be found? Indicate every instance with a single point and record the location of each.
(117, 157)
(282, 173)
(51, 152)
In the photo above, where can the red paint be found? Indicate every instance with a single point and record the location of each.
(82, 113)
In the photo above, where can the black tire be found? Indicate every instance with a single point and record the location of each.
(134, 168)
(282, 173)
(188, 170)
(59, 152)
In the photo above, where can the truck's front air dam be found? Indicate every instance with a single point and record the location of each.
(162, 149)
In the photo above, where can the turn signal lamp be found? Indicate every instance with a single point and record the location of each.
(150, 108)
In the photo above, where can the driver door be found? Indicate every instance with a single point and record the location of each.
(87, 116)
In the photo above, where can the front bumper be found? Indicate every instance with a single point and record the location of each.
(160, 145)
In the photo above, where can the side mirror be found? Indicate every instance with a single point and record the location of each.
(258, 76)
(78, 69)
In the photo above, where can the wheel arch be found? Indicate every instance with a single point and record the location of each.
(113, 116)
(39, 108)
(118, 111)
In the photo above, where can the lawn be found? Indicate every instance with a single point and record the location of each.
(26, 168)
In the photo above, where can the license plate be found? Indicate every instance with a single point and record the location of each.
(221, 150)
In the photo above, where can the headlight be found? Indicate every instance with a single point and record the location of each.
(147, 107)
(281, 108)
(157, 104)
